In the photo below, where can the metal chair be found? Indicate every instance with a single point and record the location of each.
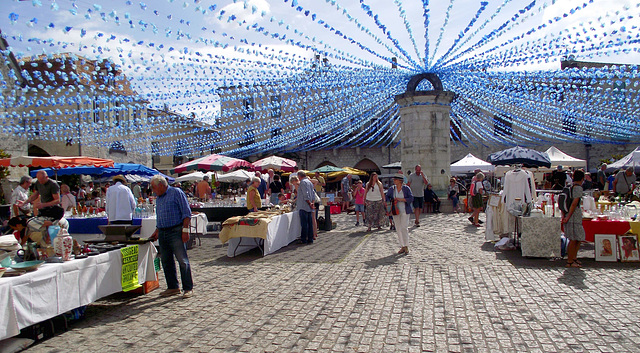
(193, 231)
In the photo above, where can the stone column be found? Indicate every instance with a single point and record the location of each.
(425, 135)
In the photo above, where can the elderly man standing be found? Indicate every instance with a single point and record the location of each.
(417, 182)
(120, 202)
(173, 217)
(21, 194)
(49, 193)
(624, 183)
(304, 205)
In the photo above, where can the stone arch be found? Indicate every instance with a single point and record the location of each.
(367, 165)
(431, 77)
(37, 151)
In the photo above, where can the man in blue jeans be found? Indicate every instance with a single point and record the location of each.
(173, 217)
(304, 205)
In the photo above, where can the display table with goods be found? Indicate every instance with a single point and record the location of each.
(602, 225)
(197, 227)
(47, 290)
(90, 225)
(221, 210)
(268, 230)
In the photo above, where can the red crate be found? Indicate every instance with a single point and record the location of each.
(335, 209)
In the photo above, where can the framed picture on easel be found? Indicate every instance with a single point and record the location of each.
(628, 244)
(606, 247)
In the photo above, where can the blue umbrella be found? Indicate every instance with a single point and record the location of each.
(118, 168)
(520, 155)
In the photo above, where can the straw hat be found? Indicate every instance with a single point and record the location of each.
(398, 176)
(120, 178)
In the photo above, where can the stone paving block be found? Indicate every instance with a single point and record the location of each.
(349, 291)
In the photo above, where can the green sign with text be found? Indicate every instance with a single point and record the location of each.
(130, 268)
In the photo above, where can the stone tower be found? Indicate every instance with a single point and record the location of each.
(425, 130)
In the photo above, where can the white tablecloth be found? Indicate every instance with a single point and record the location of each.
(54, 289)
(198, 225)
(282, 230)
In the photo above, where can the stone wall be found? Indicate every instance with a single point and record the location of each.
(349, 157)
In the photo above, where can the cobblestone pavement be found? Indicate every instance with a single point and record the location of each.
(350, 292)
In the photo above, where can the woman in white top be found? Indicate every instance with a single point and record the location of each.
(67, 200)
(401, 197)
(376, 213)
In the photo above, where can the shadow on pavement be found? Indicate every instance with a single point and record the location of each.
(573, 277)
(387, 260)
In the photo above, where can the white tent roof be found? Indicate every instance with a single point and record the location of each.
(558, 157)
(626, 161)
(469, 164)
(236, 176)
(195, 176)
(396, 165)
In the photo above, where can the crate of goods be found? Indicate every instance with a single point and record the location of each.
(335, 209)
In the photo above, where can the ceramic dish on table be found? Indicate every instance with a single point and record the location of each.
(27, 265)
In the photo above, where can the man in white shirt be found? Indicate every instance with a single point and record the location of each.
(21, 193)
(120, 202)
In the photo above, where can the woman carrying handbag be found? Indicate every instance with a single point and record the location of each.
(401, 198)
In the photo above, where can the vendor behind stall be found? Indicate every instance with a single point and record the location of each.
(49, 193)
(120, 202)
(34, 229)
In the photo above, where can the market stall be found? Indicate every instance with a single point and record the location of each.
(269, 230)
(89, 225)
(600, 226)
(56, 288)
(221, 213)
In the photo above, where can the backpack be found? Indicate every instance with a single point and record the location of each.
(565, 199)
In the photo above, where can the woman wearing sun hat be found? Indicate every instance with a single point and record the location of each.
(400, 196)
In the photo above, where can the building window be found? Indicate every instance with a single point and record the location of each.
(248, 108)
(249, 138)
(117, 147)
(454, 131)
(325, 98)
(569, 125)
(276, 132)
(502, 126)
(96, 113)
(275, 106)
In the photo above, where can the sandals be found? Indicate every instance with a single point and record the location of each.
(573, 264)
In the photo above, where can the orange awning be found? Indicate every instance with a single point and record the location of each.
(54, 162)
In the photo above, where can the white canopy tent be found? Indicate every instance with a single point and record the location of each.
(558, 157)
(469, 164)
(396, 165)
(195, 176)
(630, 160)
(236, 176)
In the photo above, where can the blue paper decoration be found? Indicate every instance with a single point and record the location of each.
(184, 78)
